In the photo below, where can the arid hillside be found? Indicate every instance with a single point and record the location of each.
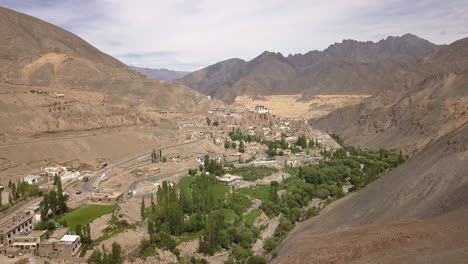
(433, 107)
(37, 56)
(418, 212)
(415, 214)
(350, 67)
(62, 100)
(36, 53)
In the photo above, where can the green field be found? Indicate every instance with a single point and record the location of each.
(86, 214)
(185, 182)
(250, 218)
(260, 192)
(229, 215)
(294, 171)
(253, 173)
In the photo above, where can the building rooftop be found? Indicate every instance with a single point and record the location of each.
(31, 177)
(32, 234)
(69, 238)
(59, 233)
(10, 222)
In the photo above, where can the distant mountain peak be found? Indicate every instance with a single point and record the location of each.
(271, 72)
(160, 73)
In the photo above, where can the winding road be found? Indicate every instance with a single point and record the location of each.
(89, 185)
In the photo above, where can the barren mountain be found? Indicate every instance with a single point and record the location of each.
(311, 73)
(66, 100)
(161, 74)
(427, 110)
(415, 214)
(418, 212)
(35, 55)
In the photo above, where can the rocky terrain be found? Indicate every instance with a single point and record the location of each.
(416, 213)
(423, 112)
(161, 74)
(350, 67)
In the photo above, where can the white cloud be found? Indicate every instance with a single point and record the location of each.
(186, 35)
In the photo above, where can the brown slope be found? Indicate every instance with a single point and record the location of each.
(272, 73)
(36, 53)
(100, 91)
(417, 213)
(430, 109)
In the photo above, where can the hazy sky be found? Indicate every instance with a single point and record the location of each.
(190, 34)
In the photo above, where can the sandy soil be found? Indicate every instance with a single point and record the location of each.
(98, 225)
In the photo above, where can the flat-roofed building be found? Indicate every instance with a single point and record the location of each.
(60, 245)
(29, 242)
(14, 225)
(106, 197)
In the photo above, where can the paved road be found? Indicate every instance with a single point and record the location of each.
(88, 186)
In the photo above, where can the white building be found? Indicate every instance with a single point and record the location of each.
(34, 179)
(260, 109)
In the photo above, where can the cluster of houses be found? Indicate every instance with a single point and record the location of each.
(18, 237)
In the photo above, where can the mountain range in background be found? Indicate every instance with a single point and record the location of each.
(161, 74)
(350, 67)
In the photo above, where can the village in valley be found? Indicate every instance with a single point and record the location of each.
(247, 163)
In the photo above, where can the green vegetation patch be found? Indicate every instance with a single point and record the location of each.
(253, 173)
(86, 214)
(229, 215)
(250, 218)
(260, 192)
(189, 236)
(185, 182)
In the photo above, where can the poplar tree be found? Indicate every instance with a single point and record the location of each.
(142, 208)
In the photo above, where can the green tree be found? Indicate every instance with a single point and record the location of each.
(95, 257)
(270, 244)
(61, 198)
(273, 194)
(241, 147)
(142, 208)
(116, 254)
(208, 121)
(44, 207)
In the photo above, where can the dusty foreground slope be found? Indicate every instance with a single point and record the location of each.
(418, 213)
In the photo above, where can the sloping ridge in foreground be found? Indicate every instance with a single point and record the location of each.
(417, 213)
